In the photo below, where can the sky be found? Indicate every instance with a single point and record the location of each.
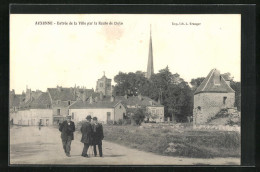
(44, 56)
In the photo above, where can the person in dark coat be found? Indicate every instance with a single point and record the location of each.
(86, 130)
(67, 128)
(98, 136)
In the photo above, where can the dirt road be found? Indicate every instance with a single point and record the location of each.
(29, 145)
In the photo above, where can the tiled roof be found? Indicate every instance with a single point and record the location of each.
(62, 94)
(42, 102)
(214, 82)
(135, 100)
(93, 105)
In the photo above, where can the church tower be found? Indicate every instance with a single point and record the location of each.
(150, 71)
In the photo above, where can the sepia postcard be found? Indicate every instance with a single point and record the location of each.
(125, 89)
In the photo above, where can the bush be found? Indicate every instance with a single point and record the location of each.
(110, 122)
(138, 116)
(120, 122)
(123, 122)
(126, 121)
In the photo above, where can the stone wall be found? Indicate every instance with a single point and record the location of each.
(207, 105)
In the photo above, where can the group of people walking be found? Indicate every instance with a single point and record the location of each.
(92, 135)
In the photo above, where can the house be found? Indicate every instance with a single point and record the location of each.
(155, 109)
(213, 94)
(62, 98)
(34, 112)
(103, 109)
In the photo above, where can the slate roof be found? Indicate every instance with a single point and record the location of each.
(215, 83)
(63, 94)
(94, 105)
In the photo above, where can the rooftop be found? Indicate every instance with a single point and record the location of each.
(215, 83)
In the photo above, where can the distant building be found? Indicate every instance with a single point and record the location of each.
(213, 94)
(155, 109)
(104, 86)
(105, 110)
(62, 98)
(34, 112)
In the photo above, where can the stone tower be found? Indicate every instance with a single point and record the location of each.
(104, 86)
(213, 94)
(150, 58)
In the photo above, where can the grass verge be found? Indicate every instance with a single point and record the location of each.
(176, 142)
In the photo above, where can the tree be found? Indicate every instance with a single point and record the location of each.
(138, 116)
(129, 83)
(236, 86)
(175, 94)
(195, 83)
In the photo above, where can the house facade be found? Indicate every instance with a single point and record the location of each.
(211, 96)
(35, 112)
(62, 98)
(104, 110)
(155, 109)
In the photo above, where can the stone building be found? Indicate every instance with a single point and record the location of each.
(104, 86)
(213, 94)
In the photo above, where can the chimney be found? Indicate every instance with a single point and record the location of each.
(101, 96)
(112, 90)
(91, 99)
(112, 99)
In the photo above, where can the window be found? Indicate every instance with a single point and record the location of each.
(108, 116)
(72, 116)
(68, 102)
(124, 116)
(199, 108)
(100, 84)
(58, 111)
(224, 100)
(120, 107)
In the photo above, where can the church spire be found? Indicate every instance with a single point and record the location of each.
(150, 58)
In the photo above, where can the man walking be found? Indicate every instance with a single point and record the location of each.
(67, 128)
(86, 130)
(97, 136)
